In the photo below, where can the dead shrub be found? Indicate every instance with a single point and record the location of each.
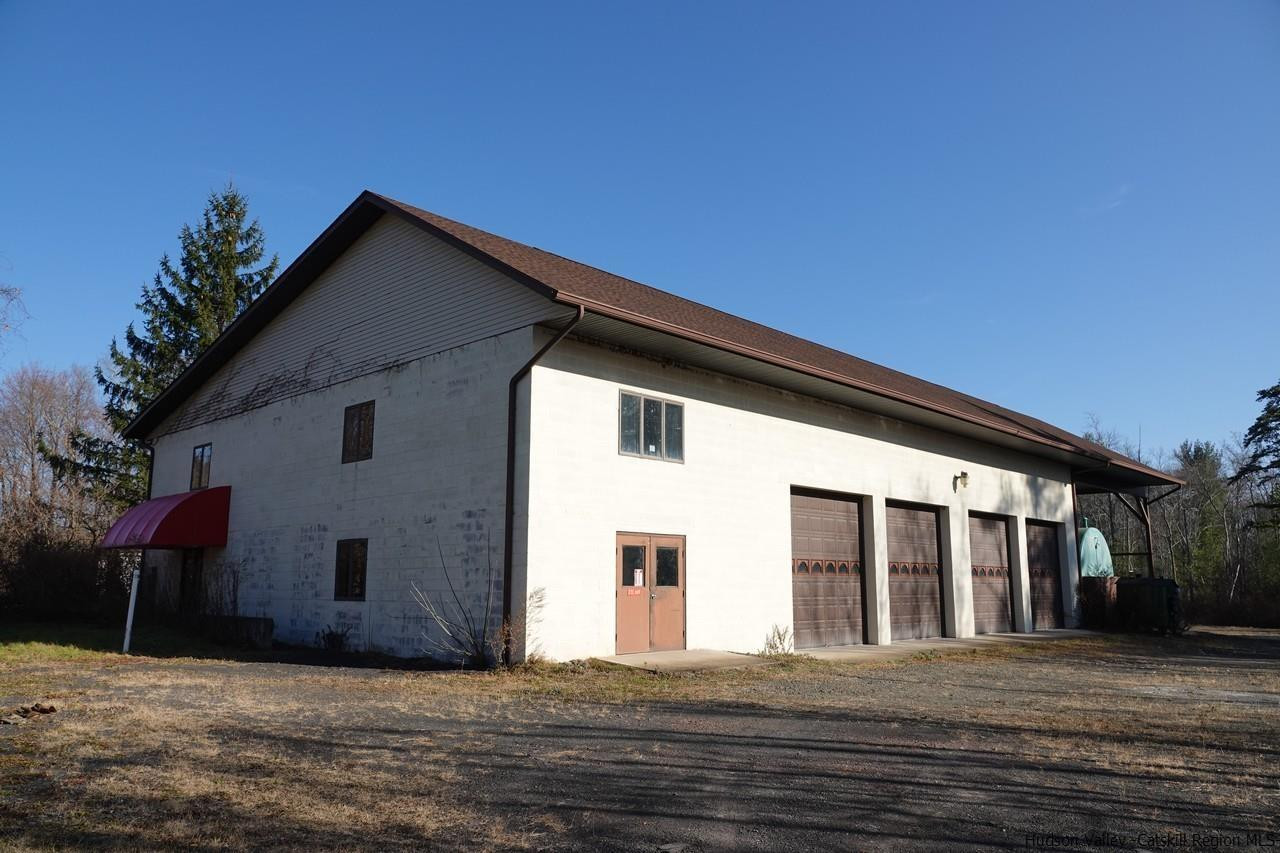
(777, 643)
(47, 579)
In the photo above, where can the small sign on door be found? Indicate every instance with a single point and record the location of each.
(634, 590)
(637, 577)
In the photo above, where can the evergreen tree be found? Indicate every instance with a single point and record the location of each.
(1262, 443)
(184, 309)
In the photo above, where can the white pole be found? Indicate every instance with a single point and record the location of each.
(133, 598)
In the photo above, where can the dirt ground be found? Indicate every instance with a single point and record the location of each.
(1095, 743)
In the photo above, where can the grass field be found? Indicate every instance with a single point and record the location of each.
(998, 748)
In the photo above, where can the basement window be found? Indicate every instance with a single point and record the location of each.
(349, 573)
(357, 433)
(201, 459)
(650, 427)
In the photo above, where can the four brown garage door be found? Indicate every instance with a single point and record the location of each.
(915, 573)
(1045, 572)
(826, 570)
(992, 591)
(827, 586)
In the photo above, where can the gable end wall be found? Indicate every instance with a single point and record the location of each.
(396, 295)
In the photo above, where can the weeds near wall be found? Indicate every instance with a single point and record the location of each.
(222, 589)
(777, 643)
(514, 633)
(463, 636)
(333, 639)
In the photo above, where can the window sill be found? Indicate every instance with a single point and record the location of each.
(650, 458)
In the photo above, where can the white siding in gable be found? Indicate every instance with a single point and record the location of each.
(396, 295)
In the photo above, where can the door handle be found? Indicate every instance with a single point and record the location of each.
(653, 595)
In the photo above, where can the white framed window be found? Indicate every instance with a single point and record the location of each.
(650, 427)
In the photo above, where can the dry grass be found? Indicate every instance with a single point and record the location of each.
(163, 753)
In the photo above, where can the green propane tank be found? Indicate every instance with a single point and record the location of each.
(1095, 556)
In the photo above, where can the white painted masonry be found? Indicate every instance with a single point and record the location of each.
(438, 470)
(746, 445)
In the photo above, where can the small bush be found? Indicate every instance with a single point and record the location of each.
(777, 643)
(333, 639)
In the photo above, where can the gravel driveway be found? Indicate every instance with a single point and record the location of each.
(1099, 743)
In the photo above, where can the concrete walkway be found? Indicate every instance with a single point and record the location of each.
(687, 660)
(699, 660)
(900, 649)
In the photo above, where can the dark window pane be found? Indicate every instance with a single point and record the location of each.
(633, 565)
(629, 424)
(366, 431)
(340, 570)
(200, 462)
(357, 432)
(652, 427)
(674, 434)
(668, 573)
(350, 568)
(359, 563)
(350, 419)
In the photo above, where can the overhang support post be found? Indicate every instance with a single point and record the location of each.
(133, 600)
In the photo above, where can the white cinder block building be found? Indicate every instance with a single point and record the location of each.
(415, 402)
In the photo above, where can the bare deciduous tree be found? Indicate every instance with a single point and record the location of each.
(40, 409)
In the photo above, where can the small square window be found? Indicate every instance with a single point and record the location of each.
(357, 433)
(349, 572)
(201, 460)
(633, 557)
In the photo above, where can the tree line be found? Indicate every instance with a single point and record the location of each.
(66, 473)
(1218, 536)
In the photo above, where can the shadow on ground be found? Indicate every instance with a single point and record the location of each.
(1056, 749)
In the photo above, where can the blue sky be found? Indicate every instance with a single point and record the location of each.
(1064, 208)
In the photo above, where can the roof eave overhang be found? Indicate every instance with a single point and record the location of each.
(1119, 474)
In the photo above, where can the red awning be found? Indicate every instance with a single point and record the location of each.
(186, 520)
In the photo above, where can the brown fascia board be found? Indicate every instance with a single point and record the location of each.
(790, 364)
(369, 206)
(769, 358)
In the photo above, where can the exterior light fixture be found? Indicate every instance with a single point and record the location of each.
(961, 479)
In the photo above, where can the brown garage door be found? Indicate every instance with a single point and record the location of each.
(1046, 575)
(989, 553)
(826, 571)
(915, 573)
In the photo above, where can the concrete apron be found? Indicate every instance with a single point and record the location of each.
(687, 660)
(899, 649)
(701, 660)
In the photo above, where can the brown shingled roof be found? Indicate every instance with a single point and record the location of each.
(574, 283)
